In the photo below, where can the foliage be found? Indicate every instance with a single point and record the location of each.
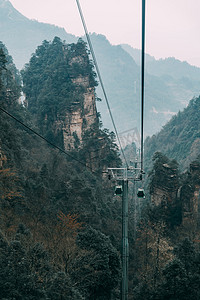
(9, 193)
(69, 244)
(9, 79)
(96, 270)
(69, 222)
(182, 276)
(99, 149)
(2, 65)
(167, 260)
(20, 275)
(54, 197)
(61, 288)
(179, 278)
(49, 80)
(179, 138)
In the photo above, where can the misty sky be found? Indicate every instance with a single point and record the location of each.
(172, 25)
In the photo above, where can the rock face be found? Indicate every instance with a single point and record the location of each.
(162, 196)
(81, 118)
(165, 192)
(59, 84)
(82, 115)
(190, 197)
(168, 192)
(191, 206)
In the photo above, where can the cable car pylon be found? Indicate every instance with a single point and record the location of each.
(122, 176)
(130, 173)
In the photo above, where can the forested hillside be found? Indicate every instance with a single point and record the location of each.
(166, 248)
(165, 94)
(179, 139)
(162, 67)
(60, 225)
(60, 220)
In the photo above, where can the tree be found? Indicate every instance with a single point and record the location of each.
(175, 285)
(61, 288)
(186, 253)
(18, 277)
(96, 270)
(181, 276)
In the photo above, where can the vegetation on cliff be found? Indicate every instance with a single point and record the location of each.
(179, 139)
(166, 253)
(51, 204)
(48, 80)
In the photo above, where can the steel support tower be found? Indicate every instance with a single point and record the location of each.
(122, 176)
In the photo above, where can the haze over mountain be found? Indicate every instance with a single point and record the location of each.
(165, 93)
(22, 35)
(168, 66)
(166, 90)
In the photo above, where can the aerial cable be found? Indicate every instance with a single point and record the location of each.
(46, 140)
(142, 85)
(100, 78)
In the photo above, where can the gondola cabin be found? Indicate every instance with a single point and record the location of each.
(118, 190)
(140, 193)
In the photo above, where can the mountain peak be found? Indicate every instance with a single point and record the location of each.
(5, 3)
(7, 10)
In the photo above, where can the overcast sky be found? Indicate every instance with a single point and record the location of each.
(172, 27)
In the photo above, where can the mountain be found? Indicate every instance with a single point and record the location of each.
(165, 95)
(22, 35)
(180, 137)
(121, 76)
(59, 84)
(136, 54)
(162, 67)
(182, 78)
(174, 68)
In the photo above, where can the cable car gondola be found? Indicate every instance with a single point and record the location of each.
(141, 193)
(118, 190)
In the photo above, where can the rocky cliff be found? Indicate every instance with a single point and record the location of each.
(189, 196)
(62, 92)
(59, 84)
(81, 117)
(178, 194)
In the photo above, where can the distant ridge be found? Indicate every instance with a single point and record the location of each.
(136, 54)
(169, 66)
(165, 93)
(22, 35)
(8, 11)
